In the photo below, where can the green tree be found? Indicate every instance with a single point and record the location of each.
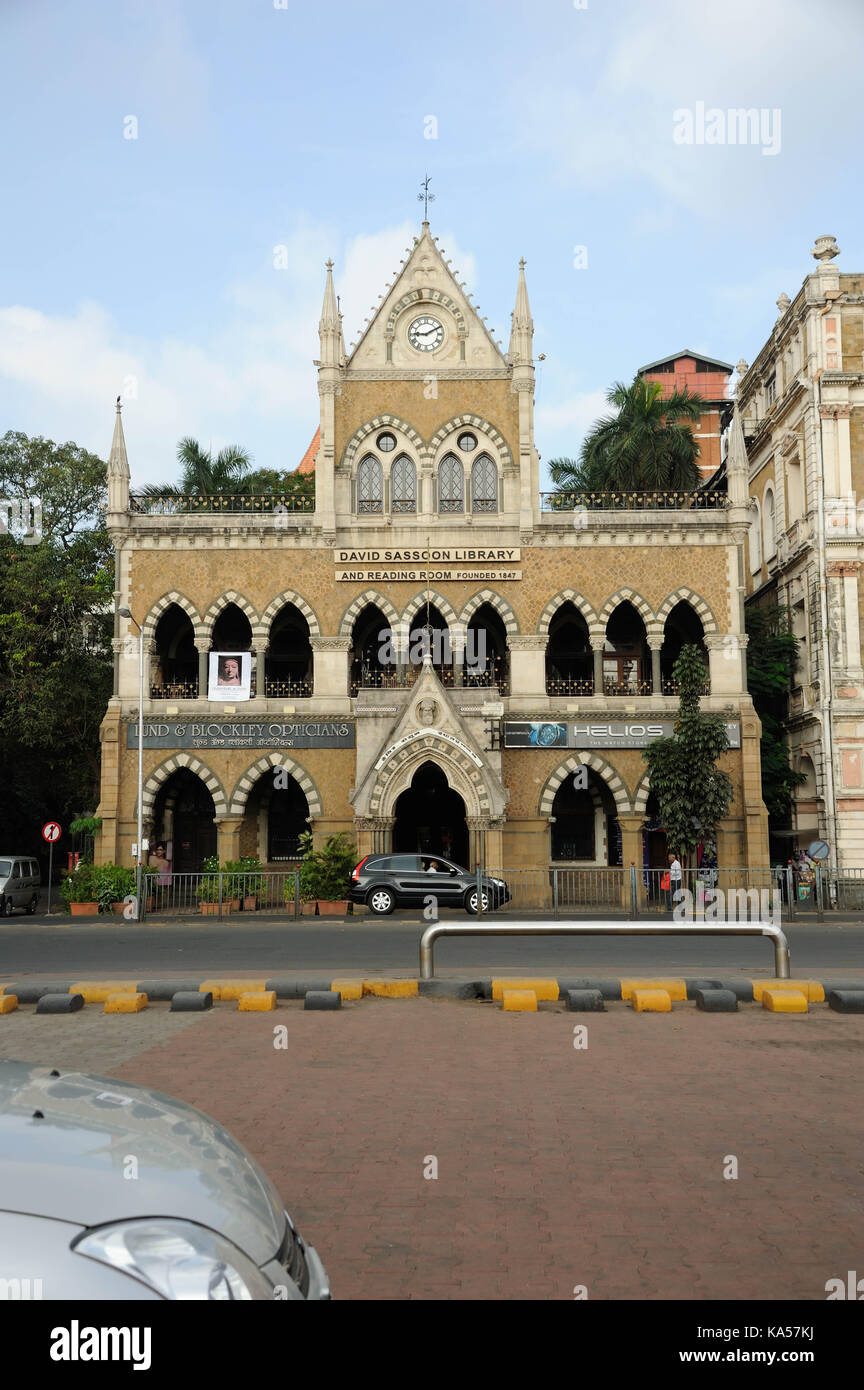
(645, 446)
(772, 656)
(55, 638)
(693, 793)
(203, 475)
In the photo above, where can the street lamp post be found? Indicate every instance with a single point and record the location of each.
(126, 613)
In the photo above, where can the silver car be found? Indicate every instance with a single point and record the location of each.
(113, 1191)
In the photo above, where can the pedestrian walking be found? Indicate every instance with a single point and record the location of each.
(674, 877)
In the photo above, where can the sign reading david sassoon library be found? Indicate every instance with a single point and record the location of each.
(260, 733)
(528, 733)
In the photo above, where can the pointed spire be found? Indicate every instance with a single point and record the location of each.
(118, 463)
(522, 331)
(737, 463)
(330, 325)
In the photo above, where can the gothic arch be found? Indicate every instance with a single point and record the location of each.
(496, 440)
(419, 296)
(599, 765)
(435, 746)
(381, 422)
(643, 608)
(177, 761)
(696, 602)
(362, 601)
(566, 596)
(501, 606)
(247, 780)
(290, 596)
(159, 607)
(445, 608)
(230, 597)
(642, 792)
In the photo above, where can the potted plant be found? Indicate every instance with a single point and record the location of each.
(324, 875)
(207, 891)
(112, 882)
(78, 892)
(248, 881)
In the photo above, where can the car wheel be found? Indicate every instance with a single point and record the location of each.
(381, 901)
(31, 907)
(7, 908)
(471, 902)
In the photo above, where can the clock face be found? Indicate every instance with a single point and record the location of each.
(426, 334)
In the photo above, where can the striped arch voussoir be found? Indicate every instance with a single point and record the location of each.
(599, 765)
(501, 606)
(353, 611)
(494, 439)
(361, 435)
(696, 602)
(160, 775)
(230, 597)
(566, 596)
(162, 605)
(445, 608)
(265, 766)
(643, 608)
(290, 596)
(641, 794)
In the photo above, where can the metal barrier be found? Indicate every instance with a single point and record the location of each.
(219, 892)
(431, 935)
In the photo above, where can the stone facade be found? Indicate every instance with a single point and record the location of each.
(802, 410)
(427, 512)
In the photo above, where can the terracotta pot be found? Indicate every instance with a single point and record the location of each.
(337, 907)
(212, 909)
(233, 905)
(84, 909)
(119, 907)
(250, 904)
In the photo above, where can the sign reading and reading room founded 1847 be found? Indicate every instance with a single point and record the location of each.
(540, 733)
(415, 565)
(260, 733)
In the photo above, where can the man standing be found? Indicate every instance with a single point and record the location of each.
(674, 879)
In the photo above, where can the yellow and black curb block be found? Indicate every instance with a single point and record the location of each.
(512, 994)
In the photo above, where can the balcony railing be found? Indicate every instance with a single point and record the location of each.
(670, 687)
(632, 501)
(366, 677)
(567, 685)
(287, 689)
(170, 504)
(627, 688)
(174, 690)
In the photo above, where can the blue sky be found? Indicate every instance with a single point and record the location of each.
(146, 266)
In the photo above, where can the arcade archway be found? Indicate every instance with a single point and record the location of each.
(430, 817)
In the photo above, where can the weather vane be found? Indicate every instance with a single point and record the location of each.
(425, 197)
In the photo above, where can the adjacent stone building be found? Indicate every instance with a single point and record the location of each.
(435, 649)
(801, 421)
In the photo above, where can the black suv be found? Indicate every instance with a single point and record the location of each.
(385, 881)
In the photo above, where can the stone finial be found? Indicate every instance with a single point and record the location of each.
(742, 367)
(783, 302)
(826, 249)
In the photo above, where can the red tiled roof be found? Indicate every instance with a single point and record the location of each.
(307, 463)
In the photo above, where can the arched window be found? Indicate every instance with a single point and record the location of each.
(770, 523)
(370, 485)
(451, 485)
(484, 485)
(403, 486)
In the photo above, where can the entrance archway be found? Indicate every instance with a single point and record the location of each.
(183, 817)
(430, 817)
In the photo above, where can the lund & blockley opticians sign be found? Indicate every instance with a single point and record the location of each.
(249, 734)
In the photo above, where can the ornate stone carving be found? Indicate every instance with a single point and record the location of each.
(426, 711)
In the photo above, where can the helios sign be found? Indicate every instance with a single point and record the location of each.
(539, 733)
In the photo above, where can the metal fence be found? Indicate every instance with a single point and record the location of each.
(732, 893)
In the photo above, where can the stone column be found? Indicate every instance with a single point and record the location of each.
(150, 650)
(655, 643)
(495, 845)
(597, 646)
(364, 834)
(117, 646)
(476, 843)
(330, 665)
(259, 651)
(457, 655)
(228, 837)
(202, 647)
(631, 853)
(726, 662)
(527, 665)
(382, 834)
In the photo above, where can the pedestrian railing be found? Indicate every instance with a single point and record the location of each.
(487, 928)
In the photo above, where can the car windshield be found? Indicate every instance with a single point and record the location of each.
(5, 868)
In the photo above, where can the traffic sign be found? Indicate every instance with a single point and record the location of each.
(51, 831)
(817, 850)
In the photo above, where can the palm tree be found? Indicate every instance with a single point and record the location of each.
(645, 446)
(203, 475)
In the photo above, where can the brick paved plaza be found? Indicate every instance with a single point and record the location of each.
(557, 1166)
